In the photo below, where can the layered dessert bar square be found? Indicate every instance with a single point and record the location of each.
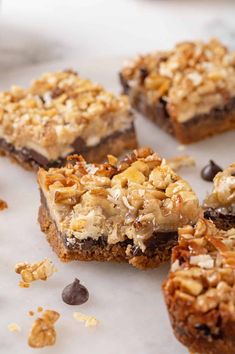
(60, 114)
(220, 204)
(200, 289)
(125, 211)
(188, 91)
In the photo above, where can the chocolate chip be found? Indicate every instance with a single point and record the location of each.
(75, 293)
(209, 171)
(143, 74)
(204, 329)
(137, 251)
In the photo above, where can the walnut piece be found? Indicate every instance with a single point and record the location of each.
(35, 271)
(43, 333)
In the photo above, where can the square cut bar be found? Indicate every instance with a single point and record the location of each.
(126, 211)
(188, 91)
(60, 114)
(200, 289)
(219, 206)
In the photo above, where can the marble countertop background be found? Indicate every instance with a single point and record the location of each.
(94, 37)
(34, 32)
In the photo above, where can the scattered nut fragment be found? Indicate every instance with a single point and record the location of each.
(3, 204)
(30, 313)
(181, 147)
(23, 284)
(14, 327)
(43, 332)
(178, 162)
(35, 271)
(75, 293)
(40, 309)
(90, 321)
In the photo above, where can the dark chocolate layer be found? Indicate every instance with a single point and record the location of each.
(33, 158)
(217, 114)
(157, 113)
(222, 220)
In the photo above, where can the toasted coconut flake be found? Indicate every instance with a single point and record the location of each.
(203, 261)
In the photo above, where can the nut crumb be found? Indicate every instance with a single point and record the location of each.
(178, 162)
(43, 332)
(35, 271)
(40, 309)
(181, 147)
(3, 204)
(14, 327)
(23, 284)
(30, 313)
(90, 321)
(112, 160)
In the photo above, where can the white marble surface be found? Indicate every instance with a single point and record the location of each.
(94, 37)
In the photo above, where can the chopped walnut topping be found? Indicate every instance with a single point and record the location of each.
(3, 204)
(14, 327)
(43, 332)
(178, 162)
(133, 198)
(35, 271)
(204, 267)
(56, 109)
(90, 321)
(223, 193)
(192, 78)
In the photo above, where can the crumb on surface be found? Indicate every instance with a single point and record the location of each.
(30, 313)
(181, 147)
(14, 327)
(30, 272)
(178, 162)
(40, 309)
(90, 321)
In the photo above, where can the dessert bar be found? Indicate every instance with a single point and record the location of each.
(220, 204)
(125, 211)
(188, 91)
(200, 289)
(60, 114)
